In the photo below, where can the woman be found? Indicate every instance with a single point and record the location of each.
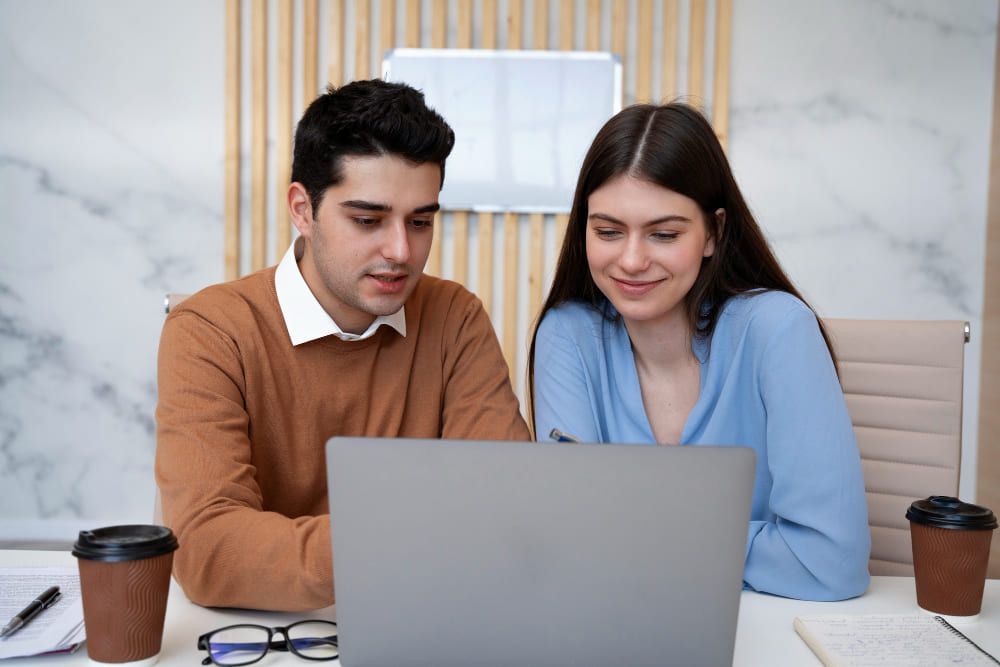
(670, 321)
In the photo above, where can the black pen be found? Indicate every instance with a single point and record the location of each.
(43, 601)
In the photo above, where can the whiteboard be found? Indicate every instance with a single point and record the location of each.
(523, 120)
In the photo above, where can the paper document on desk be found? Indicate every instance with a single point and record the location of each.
(56, 629)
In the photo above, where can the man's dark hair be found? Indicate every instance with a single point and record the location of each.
(372, 118)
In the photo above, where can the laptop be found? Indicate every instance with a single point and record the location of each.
(451, 553)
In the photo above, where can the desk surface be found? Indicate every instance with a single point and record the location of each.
(764, 634)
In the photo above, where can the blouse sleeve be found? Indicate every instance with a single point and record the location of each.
(563, 398)
(817, 546)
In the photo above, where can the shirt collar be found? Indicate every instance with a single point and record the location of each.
(305, 318)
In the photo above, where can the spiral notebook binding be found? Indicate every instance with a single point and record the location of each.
(958, 633)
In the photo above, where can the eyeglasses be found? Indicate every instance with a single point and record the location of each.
(245, 644)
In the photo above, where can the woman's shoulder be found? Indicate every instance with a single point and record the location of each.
(577, 320)
(762, 315)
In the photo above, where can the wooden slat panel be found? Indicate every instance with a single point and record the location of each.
(485, 288)
(619, 30)
(460, 260)
(362, 38)
(644, 54)
(515, 24)
(412, 23)
(433, 266)
(310, 51)
(283, 133)
(510, 254)
(387, 26)
(489, 24)
(566, 24)
(258, 136)
(696, 53)
(463, 37)
(723, 48)
(335, 55)
(232, 213)
(593, 25)
(668, 58)
(540, 34)
(562, 222)
(536, 264)
(439, 24)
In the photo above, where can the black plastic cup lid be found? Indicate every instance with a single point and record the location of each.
(120, 543)
(948, 512)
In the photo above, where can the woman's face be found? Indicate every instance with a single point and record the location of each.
(645, 245)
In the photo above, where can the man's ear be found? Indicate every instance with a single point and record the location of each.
(720, 223)
(300, 209)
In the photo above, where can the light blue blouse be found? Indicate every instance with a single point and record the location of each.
(767, 382)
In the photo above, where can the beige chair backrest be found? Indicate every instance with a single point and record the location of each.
(903, 384)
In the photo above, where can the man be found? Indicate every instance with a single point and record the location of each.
(343, 337)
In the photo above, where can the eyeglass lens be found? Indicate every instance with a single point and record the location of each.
(244, 644)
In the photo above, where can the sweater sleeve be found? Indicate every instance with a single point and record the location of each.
(817, 546)
(562, 392)
(231, 552)
(478, 401)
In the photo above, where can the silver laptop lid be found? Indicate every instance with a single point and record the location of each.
(461, 553)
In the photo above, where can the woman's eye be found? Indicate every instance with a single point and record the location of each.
(366, 222)
(606, 233)
(665, 236)
(420, 223)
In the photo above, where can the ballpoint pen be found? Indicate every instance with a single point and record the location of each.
(559, 436)
(43, 601)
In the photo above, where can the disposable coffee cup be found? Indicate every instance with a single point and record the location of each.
(124, 581)
(951, 551)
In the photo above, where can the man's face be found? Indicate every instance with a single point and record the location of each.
(367, 244)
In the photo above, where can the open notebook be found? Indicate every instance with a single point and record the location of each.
(458, 553)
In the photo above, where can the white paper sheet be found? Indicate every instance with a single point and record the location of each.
(58, 628)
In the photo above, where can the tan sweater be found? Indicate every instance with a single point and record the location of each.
(243, 418)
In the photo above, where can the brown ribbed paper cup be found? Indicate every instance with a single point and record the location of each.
(951, 550)
(124, 581)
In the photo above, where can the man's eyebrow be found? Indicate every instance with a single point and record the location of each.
(365, 205)
(655, 221)
(385, 208)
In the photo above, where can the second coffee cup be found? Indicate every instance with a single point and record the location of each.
(124, 581)
(951, 551)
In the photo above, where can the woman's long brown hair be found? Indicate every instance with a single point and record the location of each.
(675, 147)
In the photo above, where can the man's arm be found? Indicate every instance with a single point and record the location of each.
(479, 401)
(232, 553)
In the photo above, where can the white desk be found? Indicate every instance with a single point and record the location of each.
(764, 636)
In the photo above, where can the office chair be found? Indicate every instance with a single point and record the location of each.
(902, 381)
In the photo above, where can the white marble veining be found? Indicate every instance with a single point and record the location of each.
(859, 132)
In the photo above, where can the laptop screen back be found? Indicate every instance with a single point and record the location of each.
(478, 553)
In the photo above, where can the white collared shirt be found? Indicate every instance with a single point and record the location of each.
(305, 318)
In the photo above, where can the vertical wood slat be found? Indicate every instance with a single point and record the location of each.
(231, 263)
(536, 262)
(593, 25)
(669, 45)
(489, 39)
(540, 29)
(362, 38)
(258, 136)
(463, 28)
(460, 257)
(644, 52)
(335, 50)
(696, 54)
(619, 30)
(439, 24)
(283, 134)
(485, 286)
(387, 26)
(310, 51)
(562, 222)
(723, 48)
(567, 24)
(515, 25)
(412, 23)
(510, 254)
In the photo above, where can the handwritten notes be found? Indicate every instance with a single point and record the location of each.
(888, 639)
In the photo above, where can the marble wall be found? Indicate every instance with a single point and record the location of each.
(859, 131)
